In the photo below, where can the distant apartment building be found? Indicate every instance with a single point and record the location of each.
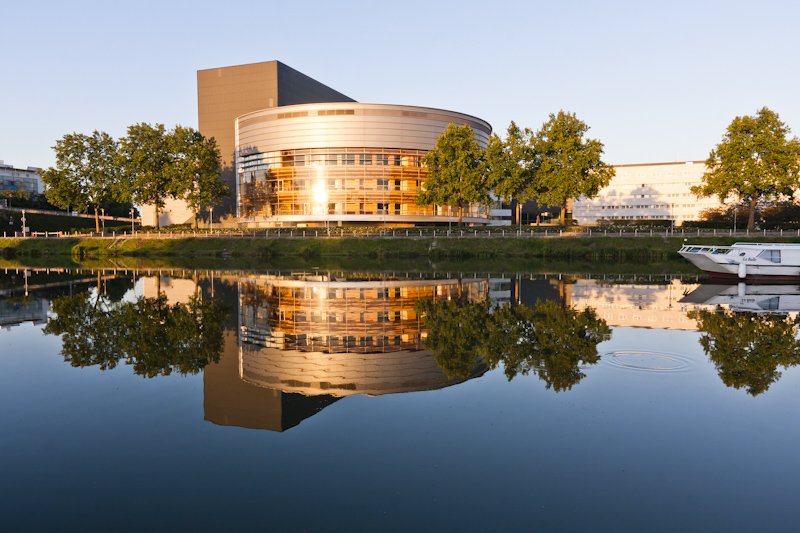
(658, 191)
(20, 179)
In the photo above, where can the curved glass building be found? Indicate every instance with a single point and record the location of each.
(342, 163)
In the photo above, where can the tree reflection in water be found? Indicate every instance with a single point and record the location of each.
(156, 338)
(456, 331)
(549, 339)
(747, 348)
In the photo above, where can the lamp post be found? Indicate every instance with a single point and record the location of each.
(133, 231)
(211, 218)
(23, 222)
(103, 219)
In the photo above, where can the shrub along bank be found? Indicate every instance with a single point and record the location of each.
(589, 248)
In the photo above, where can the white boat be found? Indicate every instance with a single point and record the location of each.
(746, 260)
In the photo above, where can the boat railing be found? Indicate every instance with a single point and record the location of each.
(699, 248)
(766, 244)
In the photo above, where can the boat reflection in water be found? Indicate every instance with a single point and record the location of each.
(746, 297)
(748, 331)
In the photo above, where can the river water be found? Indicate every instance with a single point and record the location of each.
(315, 400)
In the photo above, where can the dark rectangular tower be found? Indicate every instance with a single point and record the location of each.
(228, 92)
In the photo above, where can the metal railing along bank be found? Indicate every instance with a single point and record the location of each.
(341, 233)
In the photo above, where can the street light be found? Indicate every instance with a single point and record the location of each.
(211, 223)
(103, 220)
(133, 231)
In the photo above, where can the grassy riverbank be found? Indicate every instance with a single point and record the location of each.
(434, 249)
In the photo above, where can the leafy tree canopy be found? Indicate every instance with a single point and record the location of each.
(456, 171)
(195, 170)
(548, 339)
(568, 165)
(86, 172)
(156, 338)
(511, 166)
(456, 331)
(754, 161)
(147, 158)
(747, 348)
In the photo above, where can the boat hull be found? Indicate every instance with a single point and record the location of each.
(744, 262)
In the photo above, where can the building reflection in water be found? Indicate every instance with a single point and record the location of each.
(642, 304)
(304, 340)
(315, 334)
(300, 341)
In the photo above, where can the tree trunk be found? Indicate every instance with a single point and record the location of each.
(96, 220)
(97, 298)
(157, 224)
(563, 217)
(519, 213)
(195, 219)
(751, 220)
(460, 213)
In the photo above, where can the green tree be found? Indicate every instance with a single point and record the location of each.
(20, 195)
(747, 348)
(456, 331)
(456, 171)
(548, 339)
(196, 170)
(568, 165)
(86, 172)
(156, 338)
(755, 161)
(88, 331)
(511, 165)
(147, 157)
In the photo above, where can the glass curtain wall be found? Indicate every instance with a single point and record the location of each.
(342, 317)
(336, 181)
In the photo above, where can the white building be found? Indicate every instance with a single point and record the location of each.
(20, 179)
(659, 191)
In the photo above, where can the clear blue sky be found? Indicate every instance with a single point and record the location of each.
(656, 82)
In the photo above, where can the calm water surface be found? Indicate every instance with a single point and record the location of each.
(310, 401)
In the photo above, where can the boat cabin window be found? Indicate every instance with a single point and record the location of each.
(771, 255)
(770, 305)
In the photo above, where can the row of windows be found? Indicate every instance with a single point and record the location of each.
(658, 174)
(649, 319)
(260, 184)
(651, 195)
(377, 209)
(364, 181)
(643, 217)
(618, 207)
(650, 185)
(331, 157)
(345, 341)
